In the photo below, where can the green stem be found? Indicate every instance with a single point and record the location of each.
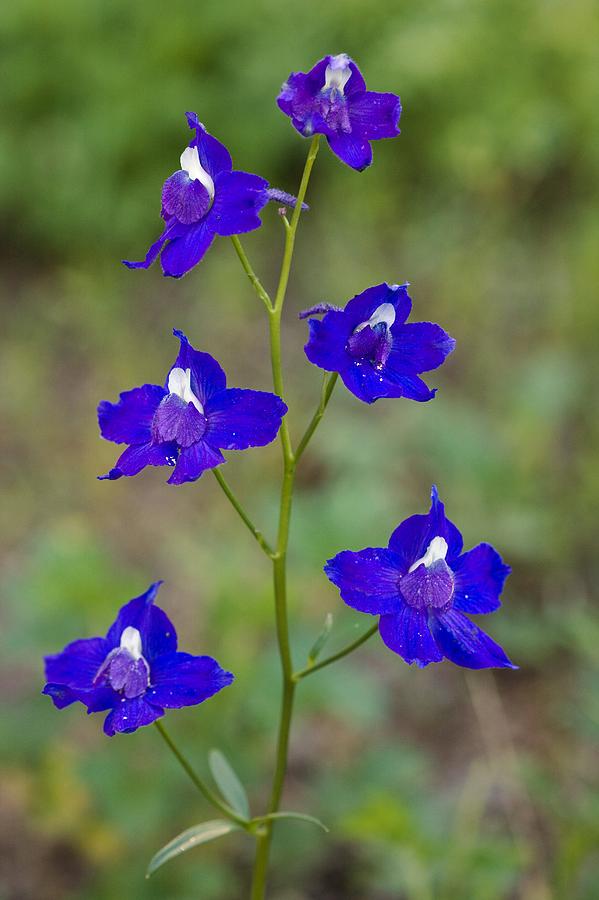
(242, 513)
(328, 386)
(335, 656)
(280, 556)
(202, 787)
(255, 281)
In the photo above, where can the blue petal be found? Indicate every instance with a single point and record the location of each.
(418, 347)
(374, 115)
(369, 383)
(186, 250)
(464, 644)
(194, 461)
(238, 199)
(180, 679)
(158, 635)
(367, 580)
(411, 386)
(207, 377)
(214, 156)
(238, 418)
(326, 344)
(129, 715)
(171, 230)
(411, 538)
(407, 633)
(361, 307)
(479, 578)
(138, 456)
(77, 665)
(351, 149)
(129, 420)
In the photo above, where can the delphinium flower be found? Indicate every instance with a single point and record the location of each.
(189, 421)
(136, 671)
(424, 587)
(332, 99)
(373, 349)
(204, 198)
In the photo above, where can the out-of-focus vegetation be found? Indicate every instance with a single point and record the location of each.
(435, 785)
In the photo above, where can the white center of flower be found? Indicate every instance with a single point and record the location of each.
(131, 642)
(436, 550)
(337, 73)
(383, 313)
(179, 383)
(190, 163)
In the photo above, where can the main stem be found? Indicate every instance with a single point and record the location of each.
(280, 555)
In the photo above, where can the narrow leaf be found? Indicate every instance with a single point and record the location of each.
(294, 815)
(321, 639)
(192, 837)
(228, 783)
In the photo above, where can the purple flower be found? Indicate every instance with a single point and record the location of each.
(369, 343)
(422, 586)
(203, 199)
(135, 671)
(187, 422)
(332, 99)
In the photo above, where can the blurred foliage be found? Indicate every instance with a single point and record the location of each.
(487, 205)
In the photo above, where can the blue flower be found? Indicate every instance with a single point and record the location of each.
(187, 422)
(135, 671)
(332, 99)
(203, 199)
(369, 343)
(423, 587)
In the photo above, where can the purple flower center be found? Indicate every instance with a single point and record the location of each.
(125, 668)
(180, 416)
(372, 339)
(429, 583)
(332, 101)
(188, 194)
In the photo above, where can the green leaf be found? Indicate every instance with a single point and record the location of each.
(321, 639)
(228, 783)
(192, 837)
(294, 815)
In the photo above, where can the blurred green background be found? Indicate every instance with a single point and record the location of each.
(435, 783)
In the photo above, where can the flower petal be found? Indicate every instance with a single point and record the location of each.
(463, 642)
(129, 715)
(351, 149)
(129, 420)
(180, 679)
(327, 340)
(374, 115)
(138, 456)
(367, 580)
(479, 578)
(418, 347)
(369, 383)
(171, 230)
(361, 307)
(239, 198)
(207, 377)
(411, 538)
(214, 156)
(77, 665)
(158, 635)
(407, 633)
(187, 248)
(194, 461)
(178, 421)
(412, 387)
(238, 418)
